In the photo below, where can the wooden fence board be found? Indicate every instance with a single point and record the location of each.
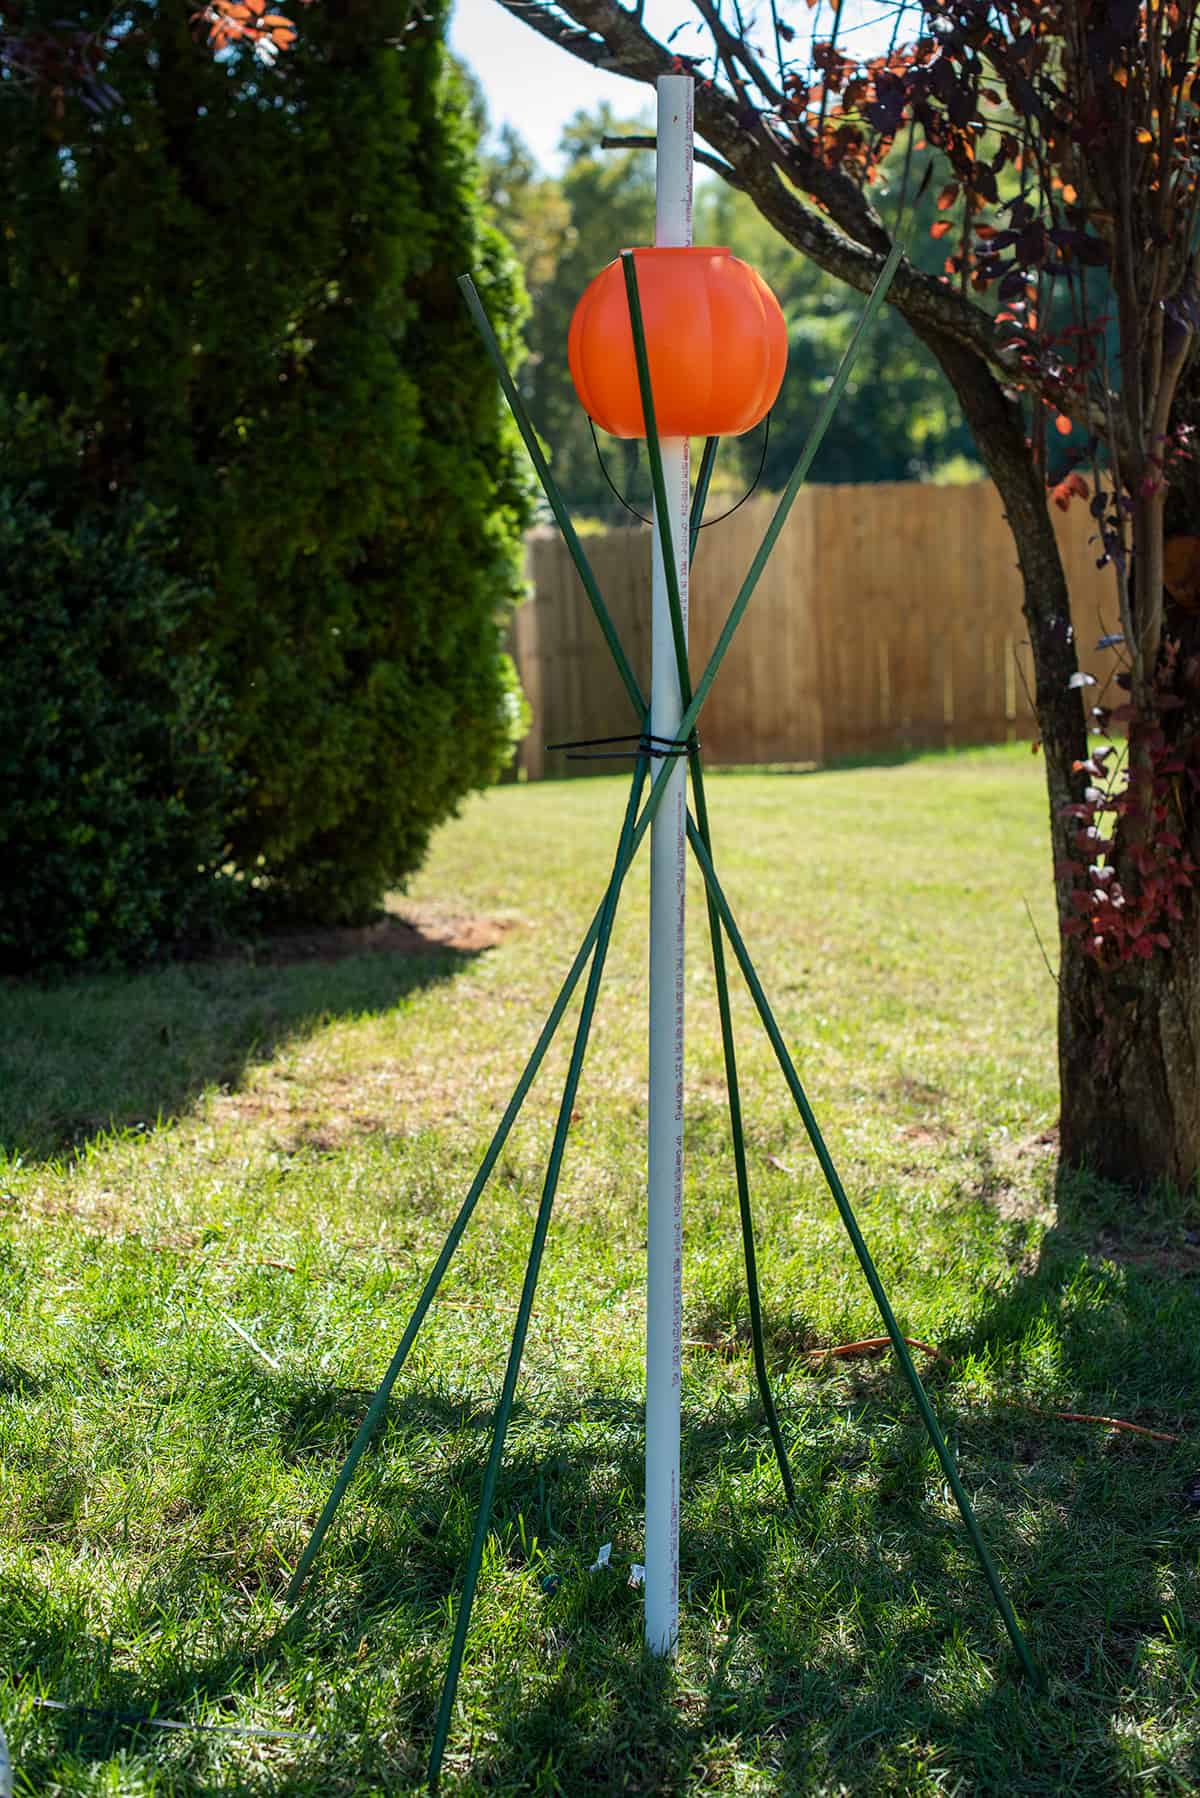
(889, 617)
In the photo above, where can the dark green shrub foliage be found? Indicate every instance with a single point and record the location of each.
(242, 282)
(114, 792)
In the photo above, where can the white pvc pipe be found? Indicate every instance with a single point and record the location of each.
(664, 1247)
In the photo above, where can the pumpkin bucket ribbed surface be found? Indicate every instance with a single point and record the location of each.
(715, 337)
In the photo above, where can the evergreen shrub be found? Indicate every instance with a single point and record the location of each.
(242, 283)
(116, 796)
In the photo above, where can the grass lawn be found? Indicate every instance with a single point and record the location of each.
(225, 1182)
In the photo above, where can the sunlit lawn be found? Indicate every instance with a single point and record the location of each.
(280, 1149)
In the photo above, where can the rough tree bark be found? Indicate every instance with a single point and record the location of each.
(1129, 1040)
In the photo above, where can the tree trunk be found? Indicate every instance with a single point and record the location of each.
(1128, 1037)
(1129, 1064)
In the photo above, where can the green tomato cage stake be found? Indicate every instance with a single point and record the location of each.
(711, 334)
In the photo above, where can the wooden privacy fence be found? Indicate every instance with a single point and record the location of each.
(888, 618)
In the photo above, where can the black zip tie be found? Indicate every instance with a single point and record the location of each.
(630, 737)
(643, 746)
(661, 748)
(641, 516)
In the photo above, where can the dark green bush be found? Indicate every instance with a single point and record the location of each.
(242, 282)
(115, 796)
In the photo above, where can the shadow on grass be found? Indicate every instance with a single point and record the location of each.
(114, 1053)
(833, 1650)
(851, 1647)
(838, 1648)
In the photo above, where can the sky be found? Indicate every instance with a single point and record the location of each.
(533, 84)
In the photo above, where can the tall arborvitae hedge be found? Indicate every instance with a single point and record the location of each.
(240, 286)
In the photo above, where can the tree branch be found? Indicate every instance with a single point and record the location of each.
(651, 143)
(734, 48)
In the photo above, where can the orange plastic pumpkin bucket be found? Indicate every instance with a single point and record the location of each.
(715, 337)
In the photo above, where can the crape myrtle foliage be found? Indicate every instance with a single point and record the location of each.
(239, 275)
(1124, 918)
(66, 59)
(1090, 253)
(115, 789)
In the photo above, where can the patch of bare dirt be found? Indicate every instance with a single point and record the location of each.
(1174, 1257)
(297, 1118)
(928, 1131)
(923, 1135)
(915, 1092)
(410, 929)
(1015, 1193)
(1036, 1148)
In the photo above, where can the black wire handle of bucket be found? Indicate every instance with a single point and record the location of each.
(641, 516)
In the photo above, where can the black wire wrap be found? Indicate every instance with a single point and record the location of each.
(662, 748)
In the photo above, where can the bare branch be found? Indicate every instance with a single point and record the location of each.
(651, 143)
(734, 49)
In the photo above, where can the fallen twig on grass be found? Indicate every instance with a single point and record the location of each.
(1112, 1423)
(869, 1345)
